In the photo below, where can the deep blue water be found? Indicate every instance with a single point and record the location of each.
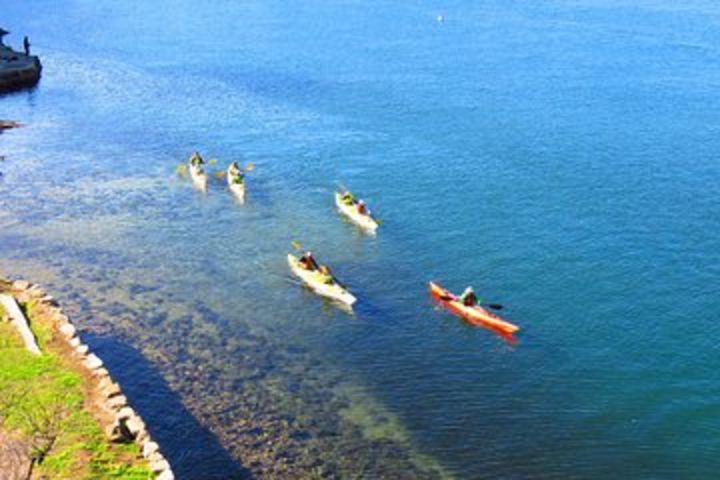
(559, 156)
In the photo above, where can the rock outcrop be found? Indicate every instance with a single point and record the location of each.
(17, 70)
(8, 124)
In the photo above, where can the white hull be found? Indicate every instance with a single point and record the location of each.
(199, 177)
(334, 291)
(237, 189)
(365, 221)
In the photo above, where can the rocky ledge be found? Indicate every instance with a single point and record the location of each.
(8, 124)
(17, 70)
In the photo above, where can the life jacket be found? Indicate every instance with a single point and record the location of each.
(308, 263)
(325, 277)
(469, 300)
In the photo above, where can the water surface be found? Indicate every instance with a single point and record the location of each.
(559, 156)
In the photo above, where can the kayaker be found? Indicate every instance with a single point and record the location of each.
(348, 198)
(325, 275)
(196, 160)
(236, 173)
(361, 208)
(468, 297)
(307, 261)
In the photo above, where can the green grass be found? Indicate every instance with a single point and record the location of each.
(42, 396)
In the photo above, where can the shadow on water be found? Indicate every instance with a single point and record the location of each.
(193, 451)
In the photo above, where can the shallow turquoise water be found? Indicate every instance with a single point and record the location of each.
(560, 156)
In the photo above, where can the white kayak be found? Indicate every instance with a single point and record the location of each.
(333, 291)
(364, 220)
(238, 189)
(198, 176)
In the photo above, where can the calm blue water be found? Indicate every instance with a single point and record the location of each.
(559, 156)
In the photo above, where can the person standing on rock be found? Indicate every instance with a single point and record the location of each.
(26, 45)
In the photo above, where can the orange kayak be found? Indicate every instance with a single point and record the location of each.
(475, 314)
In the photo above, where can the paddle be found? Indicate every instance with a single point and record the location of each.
(182, 168)
(248, 168)
(342, 187)
(494, 306)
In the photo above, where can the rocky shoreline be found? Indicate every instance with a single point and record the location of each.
(120, 422)
(18, 70)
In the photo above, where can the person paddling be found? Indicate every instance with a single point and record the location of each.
(468, 297)
(236, 174)
(348, 198)
(361, 208)
(196, 160)
(307, 261)
(325, 275)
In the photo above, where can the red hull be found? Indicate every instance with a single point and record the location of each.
(475, 315)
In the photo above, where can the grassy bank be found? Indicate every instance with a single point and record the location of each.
(44, 400)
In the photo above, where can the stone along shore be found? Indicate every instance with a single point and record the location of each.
(109, 406)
